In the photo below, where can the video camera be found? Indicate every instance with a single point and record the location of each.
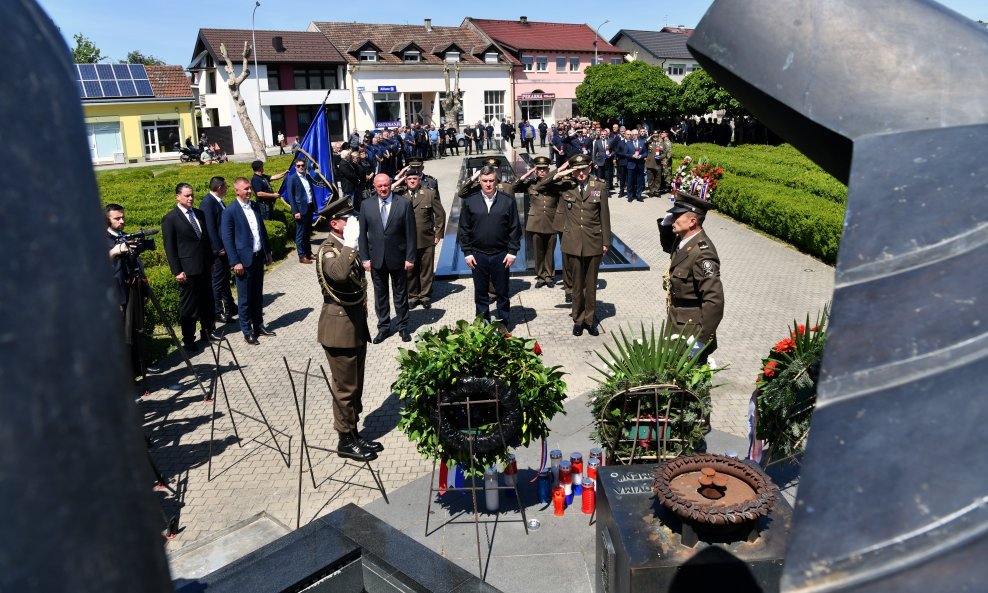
(139, 241)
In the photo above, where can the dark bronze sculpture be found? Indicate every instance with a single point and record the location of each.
(889, 96)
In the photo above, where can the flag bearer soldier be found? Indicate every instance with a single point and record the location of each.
(430, 220)
(343, 330)
(584, 217)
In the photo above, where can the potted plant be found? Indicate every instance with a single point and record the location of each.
(653, 397)
(476, 360)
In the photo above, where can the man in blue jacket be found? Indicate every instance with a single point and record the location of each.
(247, 247)
(302, 199)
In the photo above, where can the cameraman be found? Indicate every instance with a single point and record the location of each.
(119, 252)
(123, 255)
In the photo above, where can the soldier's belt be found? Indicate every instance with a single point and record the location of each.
(687, 302)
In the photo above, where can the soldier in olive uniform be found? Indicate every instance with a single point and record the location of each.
(427, 181)
(541, 212)
(343, 330)
(666, 162)
(582, 214)
(653, 165)
(696, 295)
(430, 219)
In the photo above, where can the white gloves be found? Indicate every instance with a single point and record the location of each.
(351, 232)
(667, 221)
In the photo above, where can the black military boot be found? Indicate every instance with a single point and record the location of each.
(350, 448)
(374, 446)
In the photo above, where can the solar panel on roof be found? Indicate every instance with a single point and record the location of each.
(144, 88)
(78, 86)
(92, 88)
(138, 72)
(105, 71)
(97, 81)
(87, 72)
(122, 71)
(127, 88)
(110, 88)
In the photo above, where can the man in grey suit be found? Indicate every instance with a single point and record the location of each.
(387, 250)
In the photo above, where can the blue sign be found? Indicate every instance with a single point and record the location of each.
(387, 89)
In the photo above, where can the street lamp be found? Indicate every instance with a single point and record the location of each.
(596, 32)
(257, 73)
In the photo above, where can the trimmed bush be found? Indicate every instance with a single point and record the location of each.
(165, 287)
(277, 237)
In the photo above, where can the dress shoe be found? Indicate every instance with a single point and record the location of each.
(413, 304)
(592, 330)
(252, 340)
(224, 318)
(539, 284)
(426, 305)
(551, 284)
(212, 336)
(350, 448)
(372, 446)
(190, 346)
(569, 297)
(381, 336)
(263, 331)
(304, 260)
(405, 336)
(578, 329)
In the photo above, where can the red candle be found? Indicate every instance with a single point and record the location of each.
(558, 501)
(589, 500)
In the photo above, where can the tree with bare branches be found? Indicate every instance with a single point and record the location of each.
(234, 83)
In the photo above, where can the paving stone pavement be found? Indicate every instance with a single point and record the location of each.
(767, 285)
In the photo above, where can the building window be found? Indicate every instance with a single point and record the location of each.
(693, 68)
(274, 79)
(278, 123)
(368, 56)
(413, 57)
(104, 140)
(387, 108)
(160, 136)
(675, 69)
(315, 78)
(210, 82)
(574, 64)
(490, 57)
(304, 116)
(493, 106)
(535, 110)
(542, 63)
(560, 64)
(442, 109)
(452, 56)
(617, 60)
(527, 62)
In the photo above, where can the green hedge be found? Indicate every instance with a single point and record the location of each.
(148, 193)
(779, 191)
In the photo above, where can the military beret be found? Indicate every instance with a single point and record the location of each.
(688, 203)
(336, 209)
(542, 161)
(580, 161)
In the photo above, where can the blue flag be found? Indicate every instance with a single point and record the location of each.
(316, 149)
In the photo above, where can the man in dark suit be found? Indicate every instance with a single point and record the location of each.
(246, 243)
(387, 248)
(603, 158)
(543, 131)
(490, 236)
(190, 258)
(212, 207)
(302, 199)
(634, 152)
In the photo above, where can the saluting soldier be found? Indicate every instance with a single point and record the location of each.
(343, 330)
(541, 212)
(583, 215)
(472, 185)
(696, 295)
(653, 164)
(666, 161)
(430, 219)
(427, 181)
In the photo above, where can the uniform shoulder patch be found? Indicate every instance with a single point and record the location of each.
(329, 254)
(710, 268)
(702, 244)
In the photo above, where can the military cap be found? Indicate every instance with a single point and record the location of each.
(580, 161)
(689, 203)
(493, 162)
(336, 209)
(415, 163)
(542, 161)
(256, 165)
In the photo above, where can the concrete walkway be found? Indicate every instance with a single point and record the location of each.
(767, 285)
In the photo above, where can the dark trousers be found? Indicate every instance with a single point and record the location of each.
(467, 146)
(399, 284)
(267, 208)
(583, 269)
(528, 144)
(622, 174)
(346, 371)
(480, 145)
(303, 233)
(195, 303)
(545, 264)
(420, 277)
(222, 295)
(560, 158)
(634, 182)
(489, 271)
(250, 293)
(606, 173)
(542, 140)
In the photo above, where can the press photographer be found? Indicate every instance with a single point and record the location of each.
(124, 252)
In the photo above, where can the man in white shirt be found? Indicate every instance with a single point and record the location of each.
(246, 243)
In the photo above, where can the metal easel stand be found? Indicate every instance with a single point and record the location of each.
(473, 488)
(301, 410)
(161, 485)
(218, 369)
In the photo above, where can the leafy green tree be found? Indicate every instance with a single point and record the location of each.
(635, 91)
(137, 57)
(85, 51)
(699, 94)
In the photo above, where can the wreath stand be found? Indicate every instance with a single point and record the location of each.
(217, 349)
(472, 488)
(305, 446)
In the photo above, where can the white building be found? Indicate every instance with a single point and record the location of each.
(665, 48)
(296, 73)
(396, 73)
